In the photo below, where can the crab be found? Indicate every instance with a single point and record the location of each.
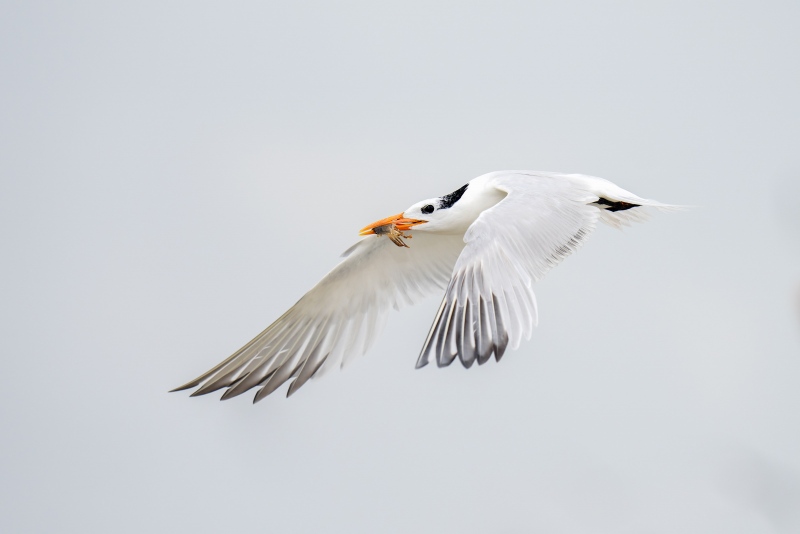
(396, 236)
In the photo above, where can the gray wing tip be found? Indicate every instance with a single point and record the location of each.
(466, 360)
(229, 394)
(187, 385)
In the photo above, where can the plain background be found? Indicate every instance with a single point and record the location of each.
(174, 175)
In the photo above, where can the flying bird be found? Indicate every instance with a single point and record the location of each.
(486, 243)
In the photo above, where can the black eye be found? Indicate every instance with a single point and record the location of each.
(427, 208)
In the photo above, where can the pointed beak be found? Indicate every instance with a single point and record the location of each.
(399, 221)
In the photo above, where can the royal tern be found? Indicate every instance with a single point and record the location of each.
(486, 243)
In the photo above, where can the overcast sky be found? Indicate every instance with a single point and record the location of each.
(175, 175)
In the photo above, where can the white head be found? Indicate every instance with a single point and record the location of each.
(448, 214)
(429, 215)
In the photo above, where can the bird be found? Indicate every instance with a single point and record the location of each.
(485, 244)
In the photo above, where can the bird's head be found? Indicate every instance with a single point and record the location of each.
(430, 215)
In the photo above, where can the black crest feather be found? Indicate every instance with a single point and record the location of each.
(452, 198)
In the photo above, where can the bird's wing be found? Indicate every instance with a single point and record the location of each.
(339, 317)
(489, 303)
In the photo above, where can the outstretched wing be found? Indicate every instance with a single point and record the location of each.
(338, 318)
(489, 303)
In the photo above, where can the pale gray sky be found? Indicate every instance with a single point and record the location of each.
(174, 175)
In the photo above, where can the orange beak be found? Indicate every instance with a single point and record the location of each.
(400, 222)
